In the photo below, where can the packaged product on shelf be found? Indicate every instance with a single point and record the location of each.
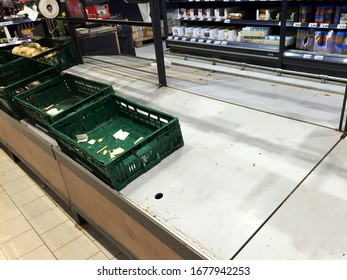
(329, 14)
(181, 31)
(196, 32)
(324, 42)
(175, 30)
(200, 12)
(343, 18)
(232, 35)
(220, 35)
(340, 41)
(337, 14)
(213, 34)
(305, 13)
(191, 13)
(216, 13)
(239, 15)
(305, 39)
(256, 31)
(266, 14)
(205, 33)
(188, 32)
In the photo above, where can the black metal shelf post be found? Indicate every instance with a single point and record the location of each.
(157, 37)
(155, 24)
(283, 29)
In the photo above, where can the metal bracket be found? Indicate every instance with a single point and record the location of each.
(279, 72)
(243, 66)
(214, 62)
(323, 78)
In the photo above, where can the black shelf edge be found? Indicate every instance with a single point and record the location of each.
(318, 57)
(340, 26)
(14, 43)
(220, 43)
(16, 21)
(197, 1)
(230, 21)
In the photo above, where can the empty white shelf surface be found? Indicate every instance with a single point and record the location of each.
(236, 167)
(312, 224)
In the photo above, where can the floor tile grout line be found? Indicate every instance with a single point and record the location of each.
(20, 213)
(20, 190)
(1, 244)
(45, 195)
(56, 205)
(15, 179)
(44, 244)
(71, 242)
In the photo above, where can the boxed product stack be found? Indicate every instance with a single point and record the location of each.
(216, 33)
(322, 41)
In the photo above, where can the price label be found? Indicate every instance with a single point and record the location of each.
(218, 19)
(170, 37)
(341, 26)
(193, 40)
(209, 19)
(185, 18)
(184, 39)
(179, 17)
(345, 60)
(227, 20)
(208, 42)
(307, 56)
(201, 19)
(176, 38)
(201, 41)
(217, 42)
(318, 57)
(297, 24)
(312, 24)
(2, 45)
(4, 23)
(324, 25)
(224, 43)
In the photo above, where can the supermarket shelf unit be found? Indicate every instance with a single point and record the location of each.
(117, 218)
(281, 54)
(14, 25)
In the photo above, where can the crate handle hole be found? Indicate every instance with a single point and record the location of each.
(158, 196)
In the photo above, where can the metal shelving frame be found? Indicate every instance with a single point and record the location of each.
(282, 58)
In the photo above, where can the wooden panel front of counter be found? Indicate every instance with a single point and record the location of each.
(44, 164)
(134, 237)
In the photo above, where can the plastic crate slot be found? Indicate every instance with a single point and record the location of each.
(163, 120)
(131, 107)
(153, 116)
(142, 112)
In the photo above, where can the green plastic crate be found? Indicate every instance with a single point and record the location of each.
(66, 93)
(16, 76)
(160, 132)
(6, 56)
(61, 54)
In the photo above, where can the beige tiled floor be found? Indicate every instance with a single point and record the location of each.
(35, 225)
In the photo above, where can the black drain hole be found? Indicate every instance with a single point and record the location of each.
(158, 196)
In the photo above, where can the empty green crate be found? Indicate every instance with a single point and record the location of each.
(61, 54)
(17, 76)
(6, 57)
(64, 93)
(153, 135)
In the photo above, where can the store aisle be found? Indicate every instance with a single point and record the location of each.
(35, 226)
